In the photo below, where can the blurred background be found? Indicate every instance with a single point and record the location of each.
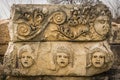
(5, 5)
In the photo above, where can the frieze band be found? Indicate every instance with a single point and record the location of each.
(71, 23)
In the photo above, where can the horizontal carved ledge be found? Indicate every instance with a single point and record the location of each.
(60, 22)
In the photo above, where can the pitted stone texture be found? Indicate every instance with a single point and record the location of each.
(60, 23)
(4, 33)
(1, 71)
(49, 78)
(3, 49)
(58, 58)
(4, 36)
(115, 33)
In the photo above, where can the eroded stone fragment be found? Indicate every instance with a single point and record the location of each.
(115, 33)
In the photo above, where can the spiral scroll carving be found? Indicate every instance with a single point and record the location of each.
(59, 17)
(23, 29)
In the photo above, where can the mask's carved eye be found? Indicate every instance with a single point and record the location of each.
(102, 21)
(65, 56)
(28, 57)
(101, 57)
(59, 56)
(94, 56)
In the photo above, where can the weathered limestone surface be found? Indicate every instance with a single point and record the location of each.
(48, 78)
(4, 36)
(4, 39)
(65, 40)
(3, 49)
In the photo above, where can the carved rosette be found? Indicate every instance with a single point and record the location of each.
(23, 29)
(59, 17)
(25, 32)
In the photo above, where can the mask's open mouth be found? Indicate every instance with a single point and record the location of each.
(97, 62)
(62, 62)
(25, 62)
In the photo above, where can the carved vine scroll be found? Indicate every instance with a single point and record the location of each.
(77, 23)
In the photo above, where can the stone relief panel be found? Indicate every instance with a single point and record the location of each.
(65, 40)
(68, 22)
(58, 58)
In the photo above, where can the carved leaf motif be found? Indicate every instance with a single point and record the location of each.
(38, 17)
(73, 32)
(30, 24)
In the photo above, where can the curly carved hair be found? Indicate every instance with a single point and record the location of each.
(26, 48)
(108, 56)
(99, 10)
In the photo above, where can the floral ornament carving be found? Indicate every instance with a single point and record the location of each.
(79, 16)
(29, 24)
(77, 24)
(38, 17)
(32, 25)
(73, 21)
(74, 32)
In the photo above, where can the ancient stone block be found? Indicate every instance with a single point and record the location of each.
(65, 40)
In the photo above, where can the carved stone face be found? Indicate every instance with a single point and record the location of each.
(26, 59)
(62, 59)
(101, 25)
(98, 59)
